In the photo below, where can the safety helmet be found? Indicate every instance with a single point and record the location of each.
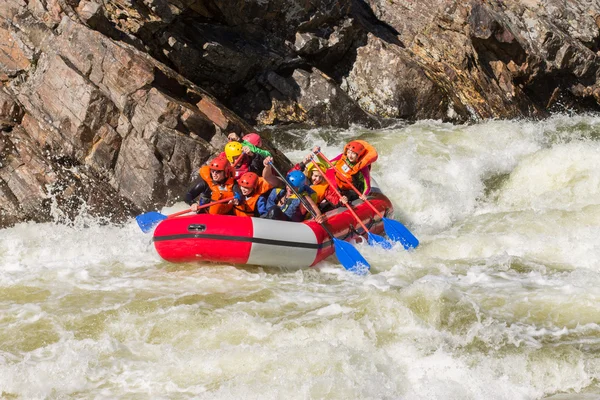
(233, 149)
(253, 139)
(356, 147)
(296, 179)
(310, 168)
(248, 180)
(219, 164)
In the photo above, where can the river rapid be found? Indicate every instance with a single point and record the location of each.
(500, 301)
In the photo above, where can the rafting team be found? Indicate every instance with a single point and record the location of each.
(243, 173)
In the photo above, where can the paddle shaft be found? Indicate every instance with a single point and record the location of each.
(199, 208)
(301, 198)
(179, 213)
(212, 203)
(332, 186)
(352, 186)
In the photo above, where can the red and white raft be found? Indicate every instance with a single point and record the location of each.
(229, 239)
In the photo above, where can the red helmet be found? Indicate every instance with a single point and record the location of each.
(248, 180)
(253, 138)
(356, 147)
(219, 164)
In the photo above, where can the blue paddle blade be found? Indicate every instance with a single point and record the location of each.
(380, 240)
(350, 258)
(399, 233)
(149, 220)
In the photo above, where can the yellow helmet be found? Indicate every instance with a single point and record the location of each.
(310, 168)
(233, 149)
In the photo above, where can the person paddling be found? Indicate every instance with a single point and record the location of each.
(354, 166)
(255, 191)
(284, 205)
(326, 197)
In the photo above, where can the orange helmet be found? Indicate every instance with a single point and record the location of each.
(219, 164)
(356, 147)
(253, 138)
(248, 180)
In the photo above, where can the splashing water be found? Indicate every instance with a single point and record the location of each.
(500, 300)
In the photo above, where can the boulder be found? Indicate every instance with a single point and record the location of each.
(402, 88)
(311, 98)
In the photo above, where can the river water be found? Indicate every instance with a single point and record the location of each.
(500, 301)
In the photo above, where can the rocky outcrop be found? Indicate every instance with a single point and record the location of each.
(448, 59)
(119, 102)
(503, 58)
(402, 88)
(310, 97)
(91, 122)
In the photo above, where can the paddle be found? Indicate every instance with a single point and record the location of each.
(372, 238)
(394, 229)
(148, 220)
(346, 254)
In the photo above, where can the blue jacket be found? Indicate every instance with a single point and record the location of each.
(262, 205)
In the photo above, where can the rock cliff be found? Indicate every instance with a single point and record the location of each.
(112, 105)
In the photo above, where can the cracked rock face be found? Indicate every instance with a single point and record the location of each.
(114, 105)
(89, 122)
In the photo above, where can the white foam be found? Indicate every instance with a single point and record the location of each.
(500, 300)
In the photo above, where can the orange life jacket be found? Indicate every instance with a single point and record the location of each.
(344, 169)
(320, 190)
(218, 191)
(248, 207)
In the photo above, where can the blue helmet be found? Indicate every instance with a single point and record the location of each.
(297, 179)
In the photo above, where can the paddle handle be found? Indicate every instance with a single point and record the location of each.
(332, 186)
(237, 160)
(352, 186)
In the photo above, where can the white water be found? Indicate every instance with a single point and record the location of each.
(500, 301)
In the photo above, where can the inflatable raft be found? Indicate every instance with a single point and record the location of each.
(230, 239)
